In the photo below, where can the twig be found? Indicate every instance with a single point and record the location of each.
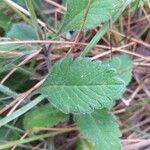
(56, 42)
(139, 145)
(127, 102)
(55, 4)
(132, 39)
(20, 64)
(24, 136)
(21, 9)
(22, 97)
(55, 129)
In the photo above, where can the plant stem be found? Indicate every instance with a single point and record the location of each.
(8, 91)
(34, 18)
(31, 139)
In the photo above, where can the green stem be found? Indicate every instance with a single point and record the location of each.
(14, 128)
(34, 18)
(104, 29)
(31, 139)
(8, 91)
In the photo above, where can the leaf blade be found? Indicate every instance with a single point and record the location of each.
(123, 64)
(22, 31)
(102, 125)
(43, 116)
(4, 21)
(80, 85)
(100, 11)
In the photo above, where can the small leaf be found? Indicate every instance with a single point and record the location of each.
(101, 129)
(44, 116)
(84, 145)
(80, 85)
(100, 11)
(123, 65)
(22, 31)
(4, 21)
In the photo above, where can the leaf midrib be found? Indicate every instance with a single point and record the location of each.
(83, 85)
(76, 16)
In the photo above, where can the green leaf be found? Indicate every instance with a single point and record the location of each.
(101, 129)
(100, 11)
(22, 31)
(43, 116)
(84, 145)
(4, 21)
(80, 85)
(123, 65)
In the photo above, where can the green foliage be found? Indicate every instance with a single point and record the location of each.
(86, 88)
(101, 129)
(136, 4)
(8, 134)
(21, 111)
(4, 21)
(7, 63)
(80, 85)
(123, 65)
(22, 31)
(43, 116)
(84, 145)
(100, 11)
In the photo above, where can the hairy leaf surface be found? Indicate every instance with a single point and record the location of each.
(82, 85)
(44, 116)
(100, 11)
(123, 65)
(101, 129)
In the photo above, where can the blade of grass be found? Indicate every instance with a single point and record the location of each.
(31, 139)
(8, 91)
(104, 29)
(14, 128)
(21, 111)
(34, 18)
